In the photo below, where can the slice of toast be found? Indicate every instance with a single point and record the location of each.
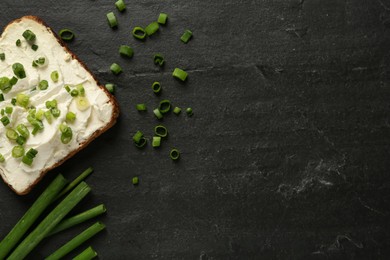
(51, 131)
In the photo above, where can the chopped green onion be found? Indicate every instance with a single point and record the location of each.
(156, 86)
(139, 33)
(125, 50)
(157, 113)
(189, 111)
(186, 36)
(32, 153)
(120, 5)
(138, 136)
(174, 154)
(39, 114)
(151, 28)
(29, 157)
(87, 254)
(23, 131)
(11, 134)
(5, 120)
(67, 88)
(158, 59)
(110, 87)
(74, 93)
(29, 35)
(17, 151)
(13, 80)
(161, 131)
(140, 107)
(21, 140)
(48, 116)
(180, 74)
(9, 110)
(1, 97)
(51, 103)
(165, 106)
(66, 35)
(22, 100)
(34, 47)
(115, 68)
(82, 103)
(112, 20)
(13, 101)
(18, 42)
(19, 70)
(141, 143)
(177, 110)
(34, 64)
(5, 84)
(156, 141)
(43, 85)
(55, 112)
(135, 180)
(80, 89)
(54, 76)
(162, 18)
(70, 117)
(27, 160)
(2, 56)
(2, 159)
(66, 134)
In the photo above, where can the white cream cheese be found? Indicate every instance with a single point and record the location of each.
(47, 142)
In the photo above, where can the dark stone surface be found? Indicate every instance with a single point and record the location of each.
(287, 155)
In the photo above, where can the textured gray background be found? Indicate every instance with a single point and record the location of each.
(287, 155)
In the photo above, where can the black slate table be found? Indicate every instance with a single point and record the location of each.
(287, 155)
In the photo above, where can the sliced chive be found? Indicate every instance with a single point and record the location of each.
(13, 80)
(27, 160)
(70, 117)
(141, 143)
(21, 140)
(55, 112)
(34, 47)
(138, 136)
(140, 107)
(13, 101)
(29, 35)
(19, 70)
(157, 113)
(22, 100)
(180, 74)
(177, 110)
(1, 97)
(5, 84)
(156, 87)
(51, 103)
(39, 114)
(164, 106)
(162, 18)
(11, 134)
(66, 35)
(43, 85)
(174, 154)
(80, 89)
(66, 135)
(82, 103)
(9, 110)
(18, 42)
(135, 180)
(115, 68)
(139, 33)
(161, 131)
(54, 76)
(156, 141)
(112, 20)
(186, 36)
(2, 56)
(48, 116)
(120, 5)
(110, 87)
(158, 59)
(152, 28)
(67, 88)
(126, 51)
(23, 130)
(5, 120)
(74, 92)
(189, 111)
(17, 151)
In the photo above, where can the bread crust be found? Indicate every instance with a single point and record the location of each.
(97, 133)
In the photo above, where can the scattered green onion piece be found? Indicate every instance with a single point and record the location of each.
(180, 74)
(34, 47)
(186, 36)
(13, 101)
(162, 18)
(31, 215)
(140, 107)
(2, 159)
(79, 218)
(21, 140)
(27, 160)
(48, 116)
(13, 81)
(66, 35)
(54, 76)
(34, 64)
(39, 114)
(161, 131)
(19, 70)
(151, 28)
(11, 134)
(5, 84)
(125, 50)
(110, 87)
(156, 87)
(32, 153)
(177, 110)
(189, 111)
(165, 106)
(120, 5)
(9, 110)
(137, 136)
(22, 100)
(40, 61)
(70, 117)
(29, 35)
(82, 103)
(139, 33)
(75, 182)
(158, 59)
(66, 135)
(156, 141)
(17, 151)
(29, 157)
(1, 97)
(112, 20)
(2, 56)
(67, 88)
(51, 103)
(18, 43)
(5, 120)
(141, 143)
(43, 85)
(50, 221)
(157, 113)
(55, 112)
(174, 154)
(80, 89)
(74, 93)
(135, 180)
(23, 130)
(115, 68)
(87, 254)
